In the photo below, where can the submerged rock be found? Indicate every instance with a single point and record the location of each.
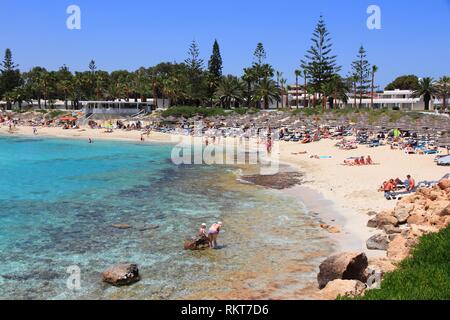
(345, 266)
(121, 226)
(122, 274)
(197, 243)
(280, 181)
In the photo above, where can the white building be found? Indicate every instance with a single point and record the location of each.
(389, 99)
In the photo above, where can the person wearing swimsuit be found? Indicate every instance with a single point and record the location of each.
(213, 233)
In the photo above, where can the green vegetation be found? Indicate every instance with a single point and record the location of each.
(409, 82)
(196, 84)
(423, 276)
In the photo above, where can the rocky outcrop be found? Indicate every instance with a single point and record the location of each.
(426, 211)
(197, 243)
(345, 266)
(121, 275)
(378, 242)
(343, 288)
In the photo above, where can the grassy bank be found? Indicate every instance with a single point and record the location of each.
(423, 276)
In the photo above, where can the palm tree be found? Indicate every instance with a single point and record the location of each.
(250, 77)
(65, 87)
(443, 88)
(298, 73)
(230, 90)
(327, 89)
(374, 70)
(354, 80)
(427, 90)
(305, 89)
(267, 91)
(279, 75)
(283, 89)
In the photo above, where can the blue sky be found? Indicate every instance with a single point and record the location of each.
(414, 38)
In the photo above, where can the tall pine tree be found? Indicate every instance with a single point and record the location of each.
(195, 88)
(319, 62)
(214, 71)
(259, 54)
(361, 71)
(215, 62)
(9, 75)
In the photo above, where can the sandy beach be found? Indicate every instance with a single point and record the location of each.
(341, 195)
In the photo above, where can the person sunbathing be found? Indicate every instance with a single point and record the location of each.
(362, 161)
(369, 161)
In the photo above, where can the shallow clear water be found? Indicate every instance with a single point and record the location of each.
(60, 198)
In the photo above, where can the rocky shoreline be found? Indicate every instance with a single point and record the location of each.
(351, 274)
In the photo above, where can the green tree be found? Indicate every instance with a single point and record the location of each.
(361, 69)
(9, 75)
(230, 90)
(427, 90)
(319, 62)
(443, 90)
(215, 62)
(298, 74)
(259, 54)
(268, 91)
(214, 70)
(408, 82)
(196, 85)
(372, 86)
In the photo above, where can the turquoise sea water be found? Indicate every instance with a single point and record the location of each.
(60, 198)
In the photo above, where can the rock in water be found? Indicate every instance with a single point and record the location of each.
(378, 242)
(122, 274)
(197, 243)
(345, 266)
(122, 226)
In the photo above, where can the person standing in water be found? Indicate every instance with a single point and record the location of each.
(213, 233)
(202, 231)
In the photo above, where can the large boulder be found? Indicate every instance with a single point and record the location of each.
(122, 274)
(381, 265)
(443, 211)
(402, 212)
(444, 184)
(427, 193)
(345, 266)
(378, 242)
(343, 288)
(416, 218)
(384, 218)
(439, 207)
(372, 223)
(398, 249)
(390, 229)
(197, 243)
